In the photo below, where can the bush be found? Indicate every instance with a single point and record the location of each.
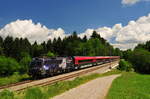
(8, 66)
(125, 65)
(35, 93)
(24, 62)
(6, 95)
(140, 58)
(50, 54)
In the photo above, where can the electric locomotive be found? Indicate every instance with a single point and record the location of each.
(50, 66)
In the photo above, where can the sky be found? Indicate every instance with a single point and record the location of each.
(124, 23)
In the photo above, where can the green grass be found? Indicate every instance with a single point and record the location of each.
(13, 79)
(35, 93)
(6, 95)
(63, 86)
(59, 87)
(130, 86)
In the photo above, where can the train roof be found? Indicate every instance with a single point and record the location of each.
(94, 57)
(77, 57)
(48, 58)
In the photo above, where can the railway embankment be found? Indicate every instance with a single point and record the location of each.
(95, 89)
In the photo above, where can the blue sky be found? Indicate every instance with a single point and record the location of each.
(71, 14)
(123, 23)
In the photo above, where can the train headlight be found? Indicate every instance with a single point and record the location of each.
(45, 67)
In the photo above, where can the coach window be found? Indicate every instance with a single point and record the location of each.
(88, 60)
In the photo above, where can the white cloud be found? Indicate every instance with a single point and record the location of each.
(123, 37)
(105, 32)
(132, 2)
(88, 33)
(30, 30)
(124, 46)
(129, 2)
(56, 33)
(128, 36)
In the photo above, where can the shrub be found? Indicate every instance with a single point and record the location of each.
(24, 62)
(124, 65)
(35, 93)
(8, 66)
(50, 54)
(6, 95)
(140, 58)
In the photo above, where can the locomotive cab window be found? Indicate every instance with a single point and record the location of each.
(53, 61)
(36, 63)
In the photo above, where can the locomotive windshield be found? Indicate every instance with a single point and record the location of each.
(47, 62)
(53, 61)
(36, 63)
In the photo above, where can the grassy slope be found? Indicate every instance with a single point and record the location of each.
(60, 87)
(130, 86)
(13, 79)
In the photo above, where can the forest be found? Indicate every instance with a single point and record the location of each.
(16, 53)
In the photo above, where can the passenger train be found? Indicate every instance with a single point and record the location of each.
(42, 67)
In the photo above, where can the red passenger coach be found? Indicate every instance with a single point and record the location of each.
(78, 60)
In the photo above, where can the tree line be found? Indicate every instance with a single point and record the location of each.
(69, 46)
(21, 51)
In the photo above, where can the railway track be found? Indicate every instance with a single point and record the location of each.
(15, 84)
(47, 81)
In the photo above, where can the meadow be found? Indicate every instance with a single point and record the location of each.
(130, 85)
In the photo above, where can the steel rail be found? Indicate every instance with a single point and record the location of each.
(15, 84)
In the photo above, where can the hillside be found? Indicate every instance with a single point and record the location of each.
(130, 86)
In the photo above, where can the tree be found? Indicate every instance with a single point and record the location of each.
(8, 66)
(57, 46)
(141, 60)
(84, 39)
(54, 45)
(16, 49)
(125, 65)
(95, 35)
(49, 45)
(118, 52)
(37, 50)
(44, 47)
(27, 46)
(75, 36)
(145, 46)
(50, 54)
(127, 54)
(1, 45)
(24, 62)
(8, 45)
